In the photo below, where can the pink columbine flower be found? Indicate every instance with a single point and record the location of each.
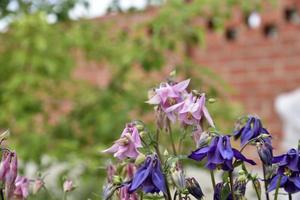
(168, 95)
(21, 188)
(5, 166)
(128, 144)
(125, 195)
(11, 175)
(38, 185)
(130, 171)
(68, 186)
(111, 171)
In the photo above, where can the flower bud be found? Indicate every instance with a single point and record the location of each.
(166, 153)
(38, 184)
(140, 127)
(4, 135)
(68, 186)
(108, 191)
(212, 100)
(143, 134)
(203, 140)
(5, 165)
(265, 153)
(110, 171)
(178, 178)
(117, 180)
(140, 159)
(239, 188)
(194, 188)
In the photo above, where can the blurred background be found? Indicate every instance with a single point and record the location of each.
(73, 72)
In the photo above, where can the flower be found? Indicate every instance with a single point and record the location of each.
(219, 154)
(265, 152)
(288, 162)
(252, 129)
(110, 171)
(125, 195)
(68, 186)
(128, 144)
(219, 194)
(21, 187)
(193, 110)
(149, 177)
(169, 94)
(178, 177)
(194, 188)
(11, 174)
(290, 183)
(38, 184)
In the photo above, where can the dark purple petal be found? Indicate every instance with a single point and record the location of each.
(199, 154)
(149, 187)
(225, 148)
(277, 159)
(240, 156)
(141, 175)
(157, 177)
(273, 183)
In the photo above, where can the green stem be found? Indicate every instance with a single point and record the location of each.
(65, 196)
(156, 146)
(265, 182)
(181, 141)
(142, 196)
(277, 188)
(290, 196)
(172, 139)
(1, 194)
(231, 184)
(212, 177)
(256, 190)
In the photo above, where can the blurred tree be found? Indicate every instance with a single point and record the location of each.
(58, 9)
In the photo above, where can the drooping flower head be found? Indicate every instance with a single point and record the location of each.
(219, 194)
(288, 170)
(149, 177)
(21, 188)
(265, 152)
(125, 195)
(110, 172)
(167, 95)
(194, 188)
(219, 154)
(128, 144)
(11, 174)
(178, 176)
(252, 129)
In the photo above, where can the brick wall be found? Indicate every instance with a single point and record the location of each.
(258, 67)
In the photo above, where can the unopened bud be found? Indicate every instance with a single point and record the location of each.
(140, 159)
(140, 127)
(203, 140)
(38, 184)
(117, 180)
(143, 134)
(4, 135)
(265, 152)
(68, 186)
(166, 153)
(178, 178)
(264, 135)
(212, 100)
(194, 188)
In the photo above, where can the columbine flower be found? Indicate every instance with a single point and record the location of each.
(219, 154)
(68, 186)
(288, 162)
(290, 183)
(168, 95)
(149, 177)
(288, 169)
(252, 129)
(265, 152)
(193, 109)
(127, 145)
(11, 175)
(178, 177)
(130, 171)
(218, 192)
(21, 188)
(194, 188)
(38, 184)
(110, 171)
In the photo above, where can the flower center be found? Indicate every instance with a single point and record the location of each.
(287, 171)
(189, 116)
(171, 101)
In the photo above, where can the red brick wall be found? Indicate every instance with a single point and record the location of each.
(257, 67)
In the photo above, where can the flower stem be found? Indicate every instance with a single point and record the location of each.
(290, 196)
(256, 191)
(277, 188)
(156, 146)
(231, 184)
(212, 177)
(65, 196)
(172, 139)
(265, 182)
(1, 194)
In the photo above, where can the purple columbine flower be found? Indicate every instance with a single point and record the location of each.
(252, 129)
(219, 154)
(194, 188)
(289, 161)
(128, 144)
(219, 194)
(149, 177)
(168, 95)
(265, 152)
(192, 110)
(21, 188)
(290, 182)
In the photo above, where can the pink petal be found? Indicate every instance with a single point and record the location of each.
(208, 117)
(154, 100)
(179, 87)
(112, 149)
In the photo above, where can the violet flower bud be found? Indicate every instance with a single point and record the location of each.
(194, 188)
(178, 178)
(68, 186)
(21, 188)
(38, 185)
(110, 171)
(265, 153)
(4, 167)
(11, 175)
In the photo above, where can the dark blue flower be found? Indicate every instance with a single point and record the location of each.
(291, 183)
(265, 152)
(219, 154)
(252, 129)
(194, 188)
(219, 193)
(149, 177)
(289, 161)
